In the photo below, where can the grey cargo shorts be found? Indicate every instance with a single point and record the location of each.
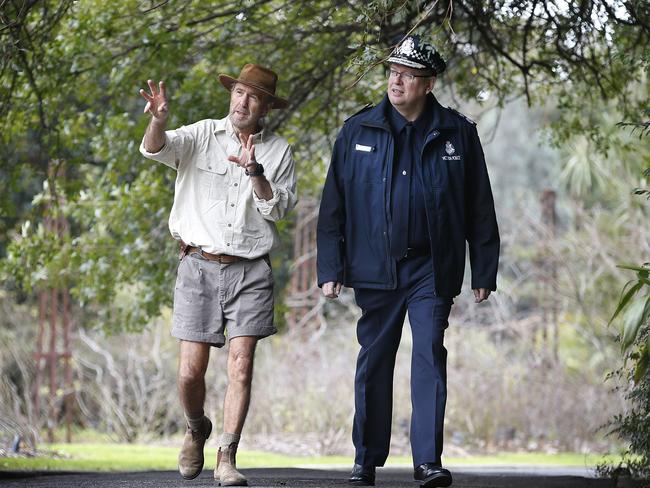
(212, 300)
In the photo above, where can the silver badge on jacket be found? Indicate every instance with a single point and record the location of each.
(451, 150)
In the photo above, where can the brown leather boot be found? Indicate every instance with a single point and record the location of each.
(190, 459)
(226, 471)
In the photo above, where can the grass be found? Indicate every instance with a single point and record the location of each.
(138, 457)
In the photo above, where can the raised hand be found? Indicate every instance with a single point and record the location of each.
(247, 157)
(156, 101)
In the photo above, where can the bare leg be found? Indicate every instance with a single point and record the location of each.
(192, 365)
(240, 375)
(194, 357)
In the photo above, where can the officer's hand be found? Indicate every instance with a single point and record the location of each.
(331, 289)
(481, 294)
(156, 101)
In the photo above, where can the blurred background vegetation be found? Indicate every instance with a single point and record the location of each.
(560, 93)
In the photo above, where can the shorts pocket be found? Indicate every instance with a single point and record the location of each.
(267, 264)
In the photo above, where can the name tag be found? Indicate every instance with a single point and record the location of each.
(362, 148)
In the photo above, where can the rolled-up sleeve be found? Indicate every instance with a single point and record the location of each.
(178, 148)
(283, 186)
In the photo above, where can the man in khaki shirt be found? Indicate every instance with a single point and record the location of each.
(234, 180)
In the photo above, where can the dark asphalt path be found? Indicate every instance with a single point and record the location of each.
(294, 477)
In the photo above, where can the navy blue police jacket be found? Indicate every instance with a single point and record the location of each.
(354, 222)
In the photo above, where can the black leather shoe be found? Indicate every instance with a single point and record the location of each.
(362, 475)
(431, 475)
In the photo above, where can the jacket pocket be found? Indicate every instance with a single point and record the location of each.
(366, 164)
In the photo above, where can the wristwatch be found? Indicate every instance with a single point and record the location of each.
(259, 171)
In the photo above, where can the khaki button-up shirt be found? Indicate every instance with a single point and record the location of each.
(215, 207)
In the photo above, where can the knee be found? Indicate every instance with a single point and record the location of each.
(189, 375)
(241, 367)
(430, 351)
(438, 343)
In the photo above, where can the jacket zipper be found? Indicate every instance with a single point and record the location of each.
(434, 135)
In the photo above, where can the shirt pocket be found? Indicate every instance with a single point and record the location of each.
(213, 178)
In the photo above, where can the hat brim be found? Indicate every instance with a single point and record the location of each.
(276, 102)
(408, 63)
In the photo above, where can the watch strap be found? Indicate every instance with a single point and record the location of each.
(259, 171)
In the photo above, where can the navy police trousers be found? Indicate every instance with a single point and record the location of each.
(379, 331)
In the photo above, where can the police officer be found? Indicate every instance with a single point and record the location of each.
(406, 189)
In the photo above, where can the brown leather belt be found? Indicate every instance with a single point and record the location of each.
(219, 258)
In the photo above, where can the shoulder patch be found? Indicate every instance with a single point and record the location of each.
(462, 115)
(363, 109)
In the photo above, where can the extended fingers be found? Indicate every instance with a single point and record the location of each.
(148, 98)
(152, 87)
(163, 89)
(145, 95)
(246, 143)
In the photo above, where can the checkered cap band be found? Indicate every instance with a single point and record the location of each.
(414, 53)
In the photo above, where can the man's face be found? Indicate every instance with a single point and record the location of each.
(406, 92)
(247, 106)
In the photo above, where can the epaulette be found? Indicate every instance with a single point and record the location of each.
(462, 115)
(363, 109)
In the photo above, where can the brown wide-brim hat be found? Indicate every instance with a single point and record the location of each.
(260, 78)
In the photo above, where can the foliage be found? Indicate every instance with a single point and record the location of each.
(634, 424)
(635, 336)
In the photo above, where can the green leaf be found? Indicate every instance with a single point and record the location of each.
(633, 267)
(635, 316)
(625, 298)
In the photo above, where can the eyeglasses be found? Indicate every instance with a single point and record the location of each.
(408, 77)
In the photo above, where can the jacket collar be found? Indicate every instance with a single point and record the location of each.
(378, 115)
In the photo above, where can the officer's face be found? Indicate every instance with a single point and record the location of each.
(247, 106)
(407, 87)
